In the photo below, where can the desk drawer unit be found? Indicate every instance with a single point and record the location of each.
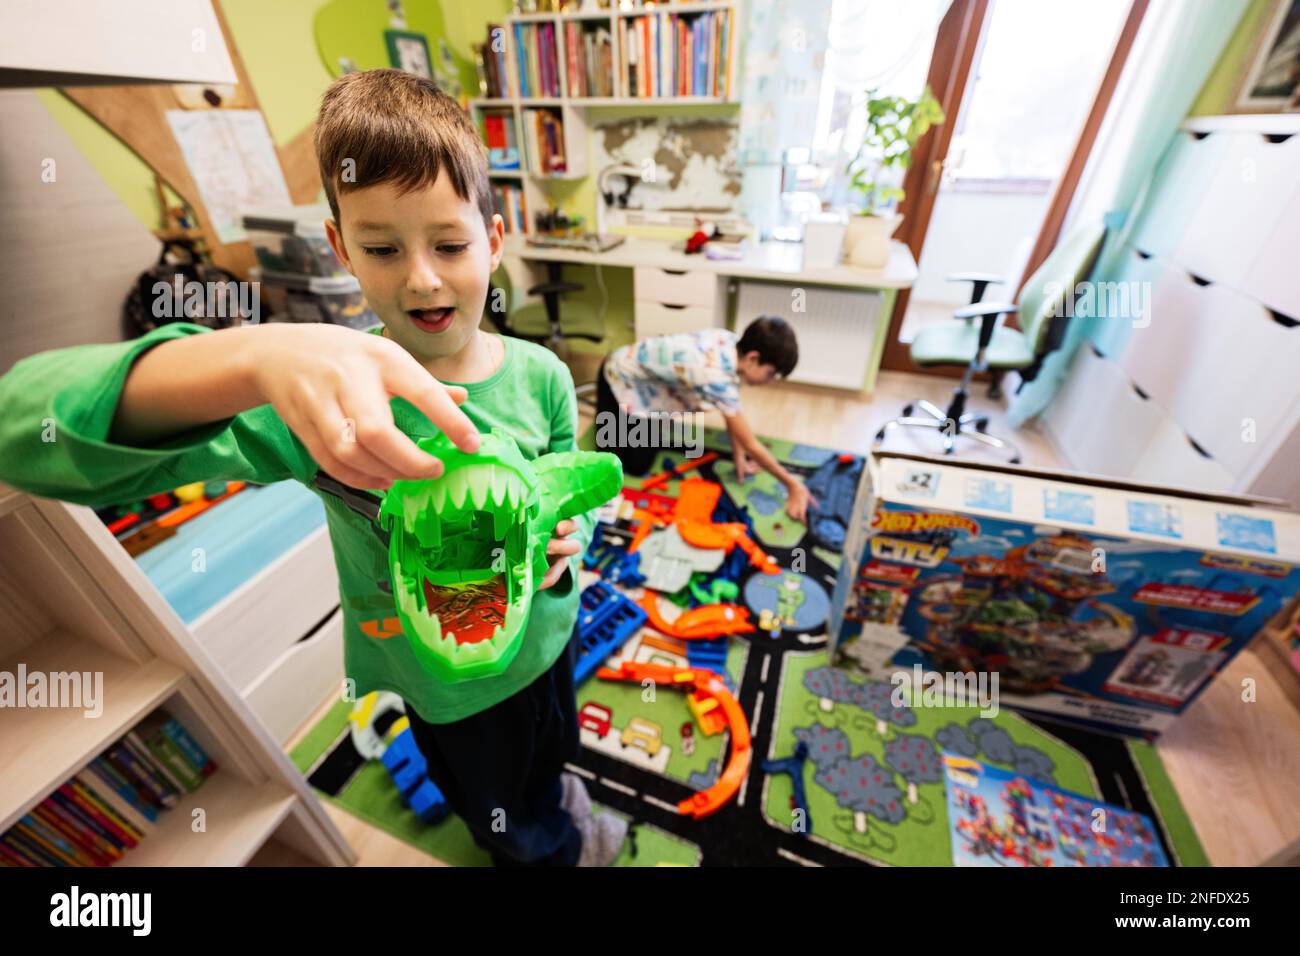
(674, 287)
(669, 300)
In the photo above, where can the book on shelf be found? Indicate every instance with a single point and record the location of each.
(535, 55)
(545, 133)
(509, 200)
(684, 54)
(112, 803)
(499, 135)
(490, 61)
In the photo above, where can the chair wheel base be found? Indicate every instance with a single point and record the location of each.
(923, 414)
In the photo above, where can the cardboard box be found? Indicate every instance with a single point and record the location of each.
(1103, 603)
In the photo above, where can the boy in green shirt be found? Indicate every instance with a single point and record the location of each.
(406, 178)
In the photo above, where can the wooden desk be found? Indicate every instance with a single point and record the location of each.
(841, 315)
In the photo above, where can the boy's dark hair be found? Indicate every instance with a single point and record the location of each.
(773, 339)
(390, 126)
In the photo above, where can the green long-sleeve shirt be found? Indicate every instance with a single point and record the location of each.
(57, 411)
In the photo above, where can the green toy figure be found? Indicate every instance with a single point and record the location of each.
(467, 549)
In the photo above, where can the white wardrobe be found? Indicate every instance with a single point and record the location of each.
(1196, 382)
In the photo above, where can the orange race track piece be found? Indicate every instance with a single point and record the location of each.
(706, 684)
(705, 622)
(645, 523)
(664, 477)
(696, 500)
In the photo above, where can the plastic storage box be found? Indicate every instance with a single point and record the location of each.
(291, 239)
(299, 298)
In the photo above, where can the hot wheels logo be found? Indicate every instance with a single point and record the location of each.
(905, 522)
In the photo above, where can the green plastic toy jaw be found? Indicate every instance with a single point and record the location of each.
(473, 541)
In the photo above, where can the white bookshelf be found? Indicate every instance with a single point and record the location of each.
(571, 109)
(72, 600)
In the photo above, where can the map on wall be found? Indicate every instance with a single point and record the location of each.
(694, 162)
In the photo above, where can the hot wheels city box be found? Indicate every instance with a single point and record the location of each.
(1105, 604)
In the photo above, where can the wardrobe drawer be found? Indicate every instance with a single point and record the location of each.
(1272, 279)
(1241, 383)
(262, 618)
(1171, 457)
(1124, 304)
(1099, 420)
(655, 318)
(675, 288)
(295, 684)
(1240, 207)
(1157, 354)
(1181, 178)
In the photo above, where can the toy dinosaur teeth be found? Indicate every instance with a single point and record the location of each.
(463, 610)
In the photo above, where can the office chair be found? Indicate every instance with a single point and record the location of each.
(543, 322)
(1042, 314)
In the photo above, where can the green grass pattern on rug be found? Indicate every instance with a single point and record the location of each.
(372, 797)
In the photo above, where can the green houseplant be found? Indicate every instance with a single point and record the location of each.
(894, 126)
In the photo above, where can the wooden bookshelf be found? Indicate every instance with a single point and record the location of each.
(72, 600)
(548, 78)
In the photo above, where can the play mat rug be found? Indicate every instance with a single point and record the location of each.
(1021, 791)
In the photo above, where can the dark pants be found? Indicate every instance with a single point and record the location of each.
(500, 769)
(636, 461)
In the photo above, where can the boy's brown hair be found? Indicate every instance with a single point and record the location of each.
(390, 126)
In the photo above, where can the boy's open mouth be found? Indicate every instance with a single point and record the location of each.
(432, 320)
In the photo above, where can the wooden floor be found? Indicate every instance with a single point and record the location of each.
(1236, 765)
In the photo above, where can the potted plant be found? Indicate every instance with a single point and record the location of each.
(894, 125)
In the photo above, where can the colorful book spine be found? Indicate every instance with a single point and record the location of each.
(120, 785)
(139, 769)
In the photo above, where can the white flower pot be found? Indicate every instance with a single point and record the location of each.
(867, 241)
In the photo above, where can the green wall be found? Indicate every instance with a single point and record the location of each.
(1220, 87)
(277, 43)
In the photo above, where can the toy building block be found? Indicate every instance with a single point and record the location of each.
(410, 773)
(707, 713)
(614, 564)
(710, 655)
(462, 611)
(793, 765)
(606, 619)
(718, 591)
(706, 684)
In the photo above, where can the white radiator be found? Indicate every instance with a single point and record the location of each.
(835, 327)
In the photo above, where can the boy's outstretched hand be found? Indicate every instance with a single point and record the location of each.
(332, 386)
(798, 500)
(745, 466)
(559, 549)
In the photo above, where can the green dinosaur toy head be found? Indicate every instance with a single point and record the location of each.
(467, 550)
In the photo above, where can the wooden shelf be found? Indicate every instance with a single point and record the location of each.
(240, 818)
(42, 748)
(76, 602)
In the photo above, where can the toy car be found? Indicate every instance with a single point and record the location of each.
(644, 734)
(595, 717)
